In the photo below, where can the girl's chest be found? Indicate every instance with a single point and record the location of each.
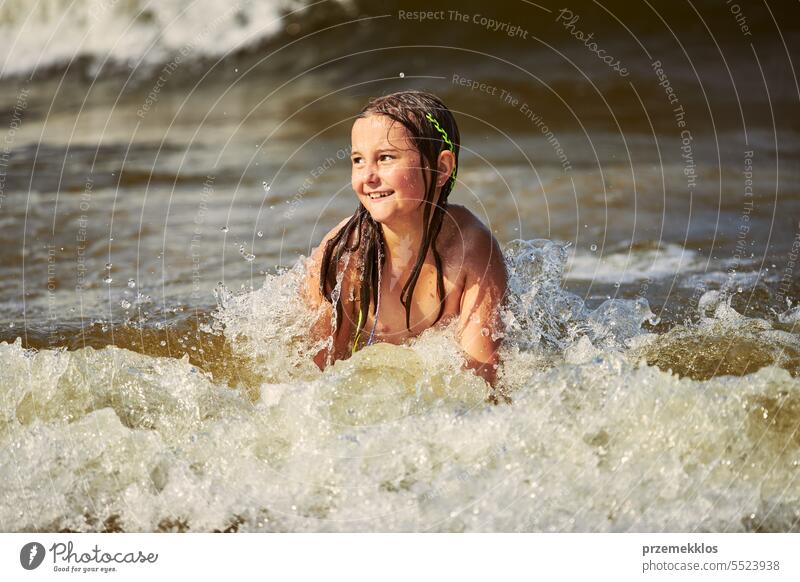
(425, 305)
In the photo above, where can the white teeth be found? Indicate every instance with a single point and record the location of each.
(374, 196)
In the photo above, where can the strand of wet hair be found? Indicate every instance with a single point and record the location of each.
(370, 253)
(430, 234)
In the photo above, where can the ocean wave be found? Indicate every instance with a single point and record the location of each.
(600, 434)
(132, 33)
(654, 261)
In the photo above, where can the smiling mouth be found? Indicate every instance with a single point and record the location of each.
(379, 195)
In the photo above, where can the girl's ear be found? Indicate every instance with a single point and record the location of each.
(444, 167)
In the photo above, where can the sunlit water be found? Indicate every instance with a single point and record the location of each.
(400, 438)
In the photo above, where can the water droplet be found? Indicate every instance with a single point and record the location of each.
(654, 320)
(616, 284)
(739, 289)
(593, 248)
(108, 266)
(485, 332)
(107, 280)
(224, 229)
(162, 342)
(266, 186)
(402, 75)
(125, 304)
(11, 324)
(260, 234)
(131, 283)
(249, 257)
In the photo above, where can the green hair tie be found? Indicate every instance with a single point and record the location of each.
(447, 140)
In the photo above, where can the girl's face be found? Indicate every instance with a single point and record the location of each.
(386, 164)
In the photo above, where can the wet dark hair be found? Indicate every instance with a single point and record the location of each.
(414, 110)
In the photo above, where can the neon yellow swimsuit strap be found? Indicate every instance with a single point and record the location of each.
(358, 332)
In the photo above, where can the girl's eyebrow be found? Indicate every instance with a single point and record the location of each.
(380, 150)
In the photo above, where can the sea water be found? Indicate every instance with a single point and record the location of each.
(609, 426)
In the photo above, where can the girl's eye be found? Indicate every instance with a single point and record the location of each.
(382, 157)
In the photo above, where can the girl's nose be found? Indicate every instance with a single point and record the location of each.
(370, 174)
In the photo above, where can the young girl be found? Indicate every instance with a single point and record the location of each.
(407, 259)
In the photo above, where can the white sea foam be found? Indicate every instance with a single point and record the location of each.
(400, 438)
(54, 32)
(629, 266)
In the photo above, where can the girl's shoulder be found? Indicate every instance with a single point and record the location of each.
(463, 216)
(467, 231)
(472, 241)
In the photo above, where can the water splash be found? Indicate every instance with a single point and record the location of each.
(400, 438)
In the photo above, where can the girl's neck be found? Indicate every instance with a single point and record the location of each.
(403, 239)
(402, 244)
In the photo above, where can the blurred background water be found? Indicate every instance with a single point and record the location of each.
(164, 167)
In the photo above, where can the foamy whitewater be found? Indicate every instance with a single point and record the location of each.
(400, 438)
(138, 33)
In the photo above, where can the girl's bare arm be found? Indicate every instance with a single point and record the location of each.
(480, 325)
